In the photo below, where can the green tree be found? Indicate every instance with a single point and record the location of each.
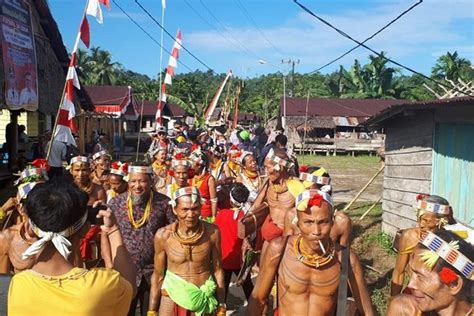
(451, 67)
(102, 70)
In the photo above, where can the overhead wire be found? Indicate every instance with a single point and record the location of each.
(246, 13)
(344, 34)
(171, 36)
(368, 38)
(148, 34)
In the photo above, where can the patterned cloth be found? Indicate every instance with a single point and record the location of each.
(139, 242)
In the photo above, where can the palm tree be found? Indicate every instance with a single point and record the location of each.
(379, 77)
(450, 66)
(103, 70)
(83, 66)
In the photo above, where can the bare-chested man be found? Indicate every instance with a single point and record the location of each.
(318, 178)
(117, 180)
(100, 175)
(188, 275)
(80, 168)
(308, 274)
(433, 212)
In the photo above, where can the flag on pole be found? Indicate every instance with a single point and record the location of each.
(163, 4)
(170, 72)
(85, 32)
(93, 9)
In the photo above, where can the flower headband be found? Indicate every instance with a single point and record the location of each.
(26, 188)
(310, 198)
(192, 191)
(59, 239)
(32, 174)
(315, 179)
(448, 252)
(99, 154)
(119, 168)
(140, 169)
(279, 161)
(180, 160)
(196, 156)
(234, 151)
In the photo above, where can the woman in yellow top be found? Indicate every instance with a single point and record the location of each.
(57, 212)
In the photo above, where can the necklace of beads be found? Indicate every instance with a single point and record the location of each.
(146, 213)
(188, 241)
(313, 261)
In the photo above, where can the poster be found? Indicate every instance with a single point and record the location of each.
(19, 57)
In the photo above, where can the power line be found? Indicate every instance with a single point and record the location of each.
(171, 36)
(148, 34)
(368, 38)
(256, 26)
(373, 51)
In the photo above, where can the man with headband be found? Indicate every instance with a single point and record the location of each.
(180, 172)
(442, 277)
(249, 175)
(118, 180)
(188, 278)
(53, 286)
(100, 175)
(307, 267)
(140, 212)
(205, 183)
(318, 178)
(433, 213)
(80, 169)
(160, 168)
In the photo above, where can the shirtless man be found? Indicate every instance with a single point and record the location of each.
(80, 168)
(101, 172)
(117, 180)
(442, 277)
(318, 178)
(308, 274)
(187, 262)
(433, 212)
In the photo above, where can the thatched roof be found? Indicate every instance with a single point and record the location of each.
(298, 122)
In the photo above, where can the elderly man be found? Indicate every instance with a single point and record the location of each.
(160, 168)
(187, 263)
(118, 180)
(433, 213)
(100, 175)
(442, 277)
(140, 212)
(80, 169)
(307, 267)
(249, 175)
(181, 173)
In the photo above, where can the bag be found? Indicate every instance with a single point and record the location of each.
(252, 220)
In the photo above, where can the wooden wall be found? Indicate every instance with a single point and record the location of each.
(408, 159)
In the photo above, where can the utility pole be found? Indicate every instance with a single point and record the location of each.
(292, 63)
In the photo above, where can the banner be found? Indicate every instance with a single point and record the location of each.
(19, 57)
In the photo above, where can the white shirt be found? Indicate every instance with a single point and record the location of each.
(57, 154)
(27, 96)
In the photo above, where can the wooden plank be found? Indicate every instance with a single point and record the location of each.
(403, 197)
(410, 185)
(399, 209)
(389, 229)
(408, 127)
(397, 221)
(423, 141)
(422, 172)
(409, 159)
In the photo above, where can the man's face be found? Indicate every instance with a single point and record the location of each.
(117, 184)
(428, 221)
(160, 156)
(181, 175)
(427, 289)
(272, 173)
(81, 173)
(315, 225)
(250, 163)
(139, 184)
(103, 163)
(187, 211)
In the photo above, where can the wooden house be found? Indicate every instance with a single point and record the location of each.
(170, 111)
(332, 125)
(429, 149)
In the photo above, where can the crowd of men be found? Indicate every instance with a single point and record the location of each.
(166, 236)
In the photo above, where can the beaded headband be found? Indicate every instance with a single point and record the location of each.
(99, 154)
(302, 200)
(279, 161)
(28, 172)
(196, 157)
(315, 179)
(26, 188)
(140, 169)
(436, 208)
(242, 157)
(192, 191)
(158, 149)
(180, 162)
(449, 254)
(82, 159)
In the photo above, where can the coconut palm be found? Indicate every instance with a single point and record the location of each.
(103, 70)
(450, 66)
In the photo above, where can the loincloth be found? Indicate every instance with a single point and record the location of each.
(270, 230)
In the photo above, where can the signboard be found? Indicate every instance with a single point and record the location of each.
(19, 57)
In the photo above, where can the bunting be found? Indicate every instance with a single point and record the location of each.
(170, 72)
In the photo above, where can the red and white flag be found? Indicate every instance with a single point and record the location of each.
(85, 32)
(93, 9)
(170, 72)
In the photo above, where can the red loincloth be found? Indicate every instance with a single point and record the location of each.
(270, 230)
(179, 311)
(85, 246)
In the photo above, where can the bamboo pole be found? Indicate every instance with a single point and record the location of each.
(139, 131)
(370, 209)
(305, 126)
(364, 188)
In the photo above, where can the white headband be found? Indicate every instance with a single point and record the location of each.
(28, 172)
(82, 159)
(140, 169)
(279, 161)
(242, 157)
(26, 188)
(313, 178)
(59, 239)
(433, 207)
(180, 162)
(99, 154)
(192, 191)
(302, 199)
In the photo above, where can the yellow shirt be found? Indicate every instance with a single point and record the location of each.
(97, 291)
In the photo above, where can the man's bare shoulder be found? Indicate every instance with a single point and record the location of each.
(342, 218)
(402, 304)
(164, 233)
(211, 229)
(277, 245)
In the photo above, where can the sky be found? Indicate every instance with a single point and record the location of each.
(252, 37)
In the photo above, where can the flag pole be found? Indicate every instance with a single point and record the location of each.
(163, 7)
(71, 63)
(139, 131)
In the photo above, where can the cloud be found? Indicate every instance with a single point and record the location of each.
(429, 30)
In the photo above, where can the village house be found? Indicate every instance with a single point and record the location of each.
(170, 111)
(428, 150)
(30, 94)
(332, 126)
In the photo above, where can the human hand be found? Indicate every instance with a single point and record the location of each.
(9, 204)
(110, 223)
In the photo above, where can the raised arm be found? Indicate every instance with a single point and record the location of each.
(159, 270)
(358, 286)
(289, 227)
(213, 195)
(216, 256)
(400, 265)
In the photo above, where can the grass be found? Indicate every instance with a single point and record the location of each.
(338, 162)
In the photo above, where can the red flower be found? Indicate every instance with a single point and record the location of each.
(195, 147)
(115, 165)
(125, 167)
(447, 276)
(179, 156)
(234, 147)
(304, 168)
(40, 163)
(238, 154)
(315, 200)
(171, 173)
(420, 197)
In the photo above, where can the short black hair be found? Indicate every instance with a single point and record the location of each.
(239, 192)
(281, 139)
(56, 204)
